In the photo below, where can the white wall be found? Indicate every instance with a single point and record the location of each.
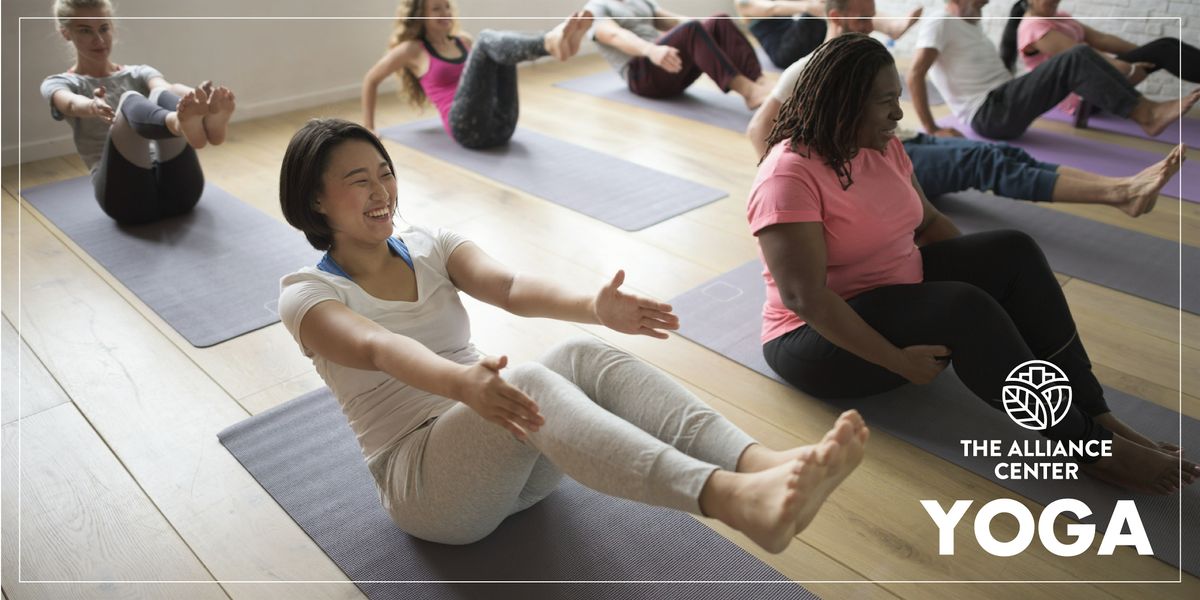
(277, 65)
(273, 65)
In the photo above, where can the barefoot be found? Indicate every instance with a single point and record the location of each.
(1141, 469)
(1166, 113)
(189, 118)
(772, 506)
(758, 457)
(898, 26)
(220, 108)
(1142, 189)
(756, 95)
(766, 506)
(1120, 428)
(563, 41)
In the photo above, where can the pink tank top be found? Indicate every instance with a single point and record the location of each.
(440, 82)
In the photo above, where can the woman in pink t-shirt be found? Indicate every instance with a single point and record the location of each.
(1037, 30)
(870, 287)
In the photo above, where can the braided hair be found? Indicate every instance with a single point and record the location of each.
(826, 107)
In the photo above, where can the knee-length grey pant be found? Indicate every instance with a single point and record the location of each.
(613, 423)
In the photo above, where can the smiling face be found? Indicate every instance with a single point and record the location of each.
(439, 18)
(881, 112)
(90, 30)
(358, 197)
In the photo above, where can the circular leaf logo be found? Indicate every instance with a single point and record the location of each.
(1036, 395)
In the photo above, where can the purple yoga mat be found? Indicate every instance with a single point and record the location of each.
(1097, 157)
(1114, 124)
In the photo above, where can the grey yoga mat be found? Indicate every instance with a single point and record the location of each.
(1094, 156)
(1188, 128)
(724, 315)
(212, 274)
(304, 455)
(697, 104)
(616, 191)
(1114, 257)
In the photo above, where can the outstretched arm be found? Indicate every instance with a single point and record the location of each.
(475, 272)
(761, 124)
(81, 107)
(923, 60)
(341, 335)
(782, 8)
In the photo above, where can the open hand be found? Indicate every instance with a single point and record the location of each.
(633, 314)
(666, 58)
(496, 400)
(99, 107)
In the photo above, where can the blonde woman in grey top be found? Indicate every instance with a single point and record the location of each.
(142, 151)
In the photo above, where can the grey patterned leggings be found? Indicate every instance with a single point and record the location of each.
(484, 113)
(613, 423)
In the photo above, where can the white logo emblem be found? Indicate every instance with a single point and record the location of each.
(1037, 395)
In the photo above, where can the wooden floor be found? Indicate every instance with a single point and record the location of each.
(122, 477)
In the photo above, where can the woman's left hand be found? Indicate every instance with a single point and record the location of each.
(630, 313)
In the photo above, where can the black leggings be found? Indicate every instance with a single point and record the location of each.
(485, 109)
(132, 193)
(991, 298)
(1165, 54)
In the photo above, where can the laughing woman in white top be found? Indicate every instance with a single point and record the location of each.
(457, 442)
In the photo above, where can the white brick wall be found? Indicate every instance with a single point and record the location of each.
(1137, 29)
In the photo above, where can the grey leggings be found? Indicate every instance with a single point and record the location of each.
(485, 108)
(146, 173)
(613, 423)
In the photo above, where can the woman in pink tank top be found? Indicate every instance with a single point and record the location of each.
(869, 287)
(472, 84)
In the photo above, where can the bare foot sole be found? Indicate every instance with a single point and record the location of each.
(1141, 469)
(190, 116)
(220, 108)
(1145, 186)
(1167, 113)
(563, 41)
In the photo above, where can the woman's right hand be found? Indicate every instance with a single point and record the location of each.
(496, 400)
(98, 107)
(921, 364)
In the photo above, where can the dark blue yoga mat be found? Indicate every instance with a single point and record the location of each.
(604, 187)
(212, 274)
(305, 455)
(1094, 156)
(725, 316)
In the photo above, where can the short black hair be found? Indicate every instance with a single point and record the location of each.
(301, 175)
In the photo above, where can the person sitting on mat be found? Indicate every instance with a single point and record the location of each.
(141, 153)
(457, 442)
(1038, 31)
(655, 64)
(944, 165)
(473, 84)
(787, 40)
(868, 286)
(983, 94)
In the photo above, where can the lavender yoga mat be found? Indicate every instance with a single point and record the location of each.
(1097, 157)
(1102, 121)
(698, 103)
(212, 274)
(724, 315)
(305, 455)
(618, 192)
(1114, 257)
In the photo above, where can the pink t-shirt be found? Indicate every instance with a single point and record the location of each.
(1033, 29)
(869, 228)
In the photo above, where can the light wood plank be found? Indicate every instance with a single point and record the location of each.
(34, 390)
(82, 517)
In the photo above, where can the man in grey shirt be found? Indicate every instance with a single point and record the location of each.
(661, 65)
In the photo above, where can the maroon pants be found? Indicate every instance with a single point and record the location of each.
(713, 47)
